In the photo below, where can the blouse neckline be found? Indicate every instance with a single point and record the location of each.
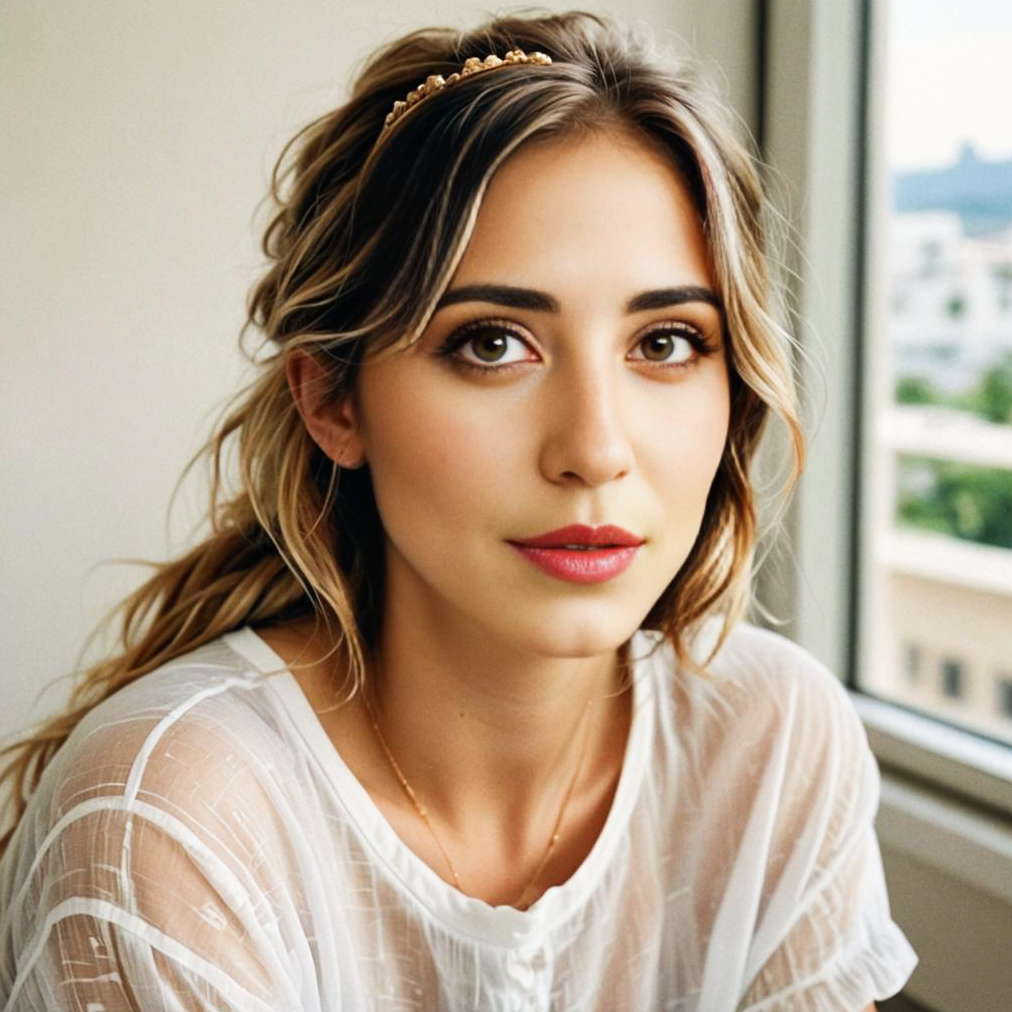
(467, 915)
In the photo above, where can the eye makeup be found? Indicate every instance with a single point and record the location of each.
(472, 330)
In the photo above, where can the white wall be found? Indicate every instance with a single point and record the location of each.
(138, 139)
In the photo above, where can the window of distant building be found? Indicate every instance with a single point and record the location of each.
(1004, 686)
(952, 678)
(912, 661)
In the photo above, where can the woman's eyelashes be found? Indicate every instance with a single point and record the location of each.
(496, 346)
(490, 346)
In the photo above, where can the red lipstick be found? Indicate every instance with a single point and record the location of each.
(581, 554)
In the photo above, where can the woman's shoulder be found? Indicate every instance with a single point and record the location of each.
(211, 694)
(748, 658)
(177, 746)
(770, 725)
(165, 822)
(756, 660)
(762, 686)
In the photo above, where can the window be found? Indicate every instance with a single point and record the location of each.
(898, 528)
(936, 537)
(952, 678)
(944, 816)
(1003, 685)
(913, 662)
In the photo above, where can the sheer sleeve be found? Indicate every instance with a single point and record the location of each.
(154, 883)
(826, 941)
(147, 919)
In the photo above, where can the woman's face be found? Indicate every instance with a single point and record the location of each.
(590, 387)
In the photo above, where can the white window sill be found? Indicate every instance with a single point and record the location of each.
(945, 833)
(946, 795)
(962, 765)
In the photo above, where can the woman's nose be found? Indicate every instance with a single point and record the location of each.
(587, 438)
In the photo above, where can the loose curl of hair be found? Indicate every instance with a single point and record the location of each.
(366, 234)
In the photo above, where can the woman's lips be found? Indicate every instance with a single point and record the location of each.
(606, 536)
(580, 565)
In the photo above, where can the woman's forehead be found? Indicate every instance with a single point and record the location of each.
(603, 209)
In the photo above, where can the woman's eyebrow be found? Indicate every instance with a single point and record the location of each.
(528, 298)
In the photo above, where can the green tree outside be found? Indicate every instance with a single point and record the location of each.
(916, 390)
(996, 392)
(990, 399)
(962, 501)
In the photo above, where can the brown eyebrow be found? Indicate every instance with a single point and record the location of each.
(528, 298)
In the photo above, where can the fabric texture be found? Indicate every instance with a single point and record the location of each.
(199, 844)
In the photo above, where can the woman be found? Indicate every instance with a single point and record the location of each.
(455, 709)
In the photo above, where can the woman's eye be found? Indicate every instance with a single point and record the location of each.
(485, 348)
(675, 346)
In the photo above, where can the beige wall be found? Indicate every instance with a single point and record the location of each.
(138, 137)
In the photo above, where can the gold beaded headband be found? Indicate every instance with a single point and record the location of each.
(436, 82)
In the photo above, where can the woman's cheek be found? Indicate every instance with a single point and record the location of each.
(432, 460)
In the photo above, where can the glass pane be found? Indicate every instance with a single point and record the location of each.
(937, 588)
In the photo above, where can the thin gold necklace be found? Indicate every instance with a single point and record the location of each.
(423, 815)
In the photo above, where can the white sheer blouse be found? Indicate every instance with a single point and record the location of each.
(198, 843)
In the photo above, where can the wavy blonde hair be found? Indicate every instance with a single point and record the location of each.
(364, 238)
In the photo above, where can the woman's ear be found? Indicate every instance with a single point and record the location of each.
(333, 426)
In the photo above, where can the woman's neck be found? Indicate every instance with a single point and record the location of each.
(478, 729)
(490, 741)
